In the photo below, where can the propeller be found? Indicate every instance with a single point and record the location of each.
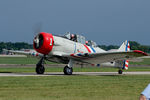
(37, 29)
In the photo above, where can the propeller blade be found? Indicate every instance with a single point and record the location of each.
(37, 28)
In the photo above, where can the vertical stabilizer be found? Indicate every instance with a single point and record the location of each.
(125, 46)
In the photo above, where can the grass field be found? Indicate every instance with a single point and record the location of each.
(75, 87)
(33, 60)
(20, 60)
(146, 61)
(122, 87)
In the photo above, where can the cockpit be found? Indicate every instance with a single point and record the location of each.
(75, 37)
(79, 39)
(91, 43)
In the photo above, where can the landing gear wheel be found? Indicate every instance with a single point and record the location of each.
(40, 69)
(120, 71)
(68, 70)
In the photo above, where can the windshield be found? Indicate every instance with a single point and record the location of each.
(75, 37)
(80, 39)
(91, 43)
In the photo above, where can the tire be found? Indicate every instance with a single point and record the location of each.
(120, 71)
(40, 69)
(68, 70)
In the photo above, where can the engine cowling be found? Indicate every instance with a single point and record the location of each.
(43, 43)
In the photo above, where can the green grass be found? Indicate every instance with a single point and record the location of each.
(33, 60)
(20, 60)
(146, 61)
(75, 87)
(122, 87)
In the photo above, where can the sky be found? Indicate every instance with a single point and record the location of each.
(103, 21)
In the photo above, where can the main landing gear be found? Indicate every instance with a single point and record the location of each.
(68, 69)
(40, 66)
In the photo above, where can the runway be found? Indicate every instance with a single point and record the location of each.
(75, 73)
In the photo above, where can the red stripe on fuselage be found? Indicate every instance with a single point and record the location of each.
(74, 56)
(87, 48)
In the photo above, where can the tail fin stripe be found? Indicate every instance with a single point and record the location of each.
(126, 46)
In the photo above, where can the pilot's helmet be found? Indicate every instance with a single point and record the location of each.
(72, 35)
(86, 42)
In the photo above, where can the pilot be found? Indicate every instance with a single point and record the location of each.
(86, 42)
(73, 37)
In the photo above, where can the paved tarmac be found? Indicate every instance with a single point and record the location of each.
(75, 73)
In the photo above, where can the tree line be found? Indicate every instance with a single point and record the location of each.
(14, 46)
(22, 45)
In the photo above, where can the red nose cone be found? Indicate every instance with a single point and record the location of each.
(43, 43)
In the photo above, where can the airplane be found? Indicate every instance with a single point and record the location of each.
(72, 48)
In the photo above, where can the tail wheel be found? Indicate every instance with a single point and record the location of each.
(68, 70)
(40, 69)
(120, 71)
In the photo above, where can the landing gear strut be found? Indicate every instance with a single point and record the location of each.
(68, 69)
(40, 66)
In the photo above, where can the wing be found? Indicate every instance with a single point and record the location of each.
(95, 58)
(25, 52)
